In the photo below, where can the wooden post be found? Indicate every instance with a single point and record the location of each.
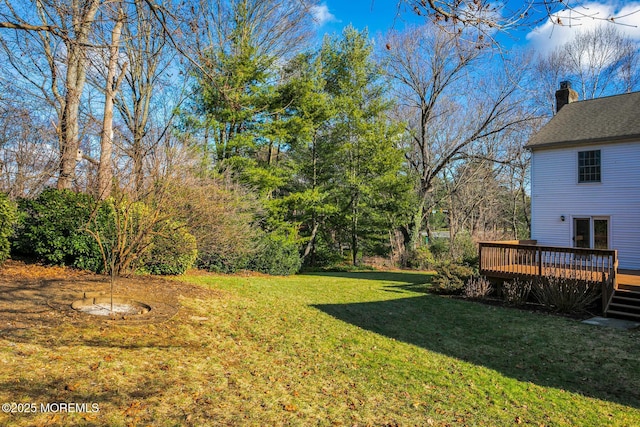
(605, 295)
(539, 252)
(615, 269)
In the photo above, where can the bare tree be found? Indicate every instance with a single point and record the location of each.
(489, 15)
(149, 59)
(599, 61)
(447, 109)
(67, 25)
(274, 28)
(113, 80)
(473, 197)
(27, 154)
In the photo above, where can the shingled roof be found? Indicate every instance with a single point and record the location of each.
(609, 119)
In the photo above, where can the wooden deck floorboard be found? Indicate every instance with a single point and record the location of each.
(629, 277)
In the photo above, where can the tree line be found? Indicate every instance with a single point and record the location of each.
(226, 119)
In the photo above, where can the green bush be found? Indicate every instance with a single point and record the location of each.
(439, 248)
(276, 254)
(8, 217)
(465, 249)
(421, 259)
(226, 263)
(173, 251)
(52, 228)
(279, 255)
(325, 256)
(451, 278)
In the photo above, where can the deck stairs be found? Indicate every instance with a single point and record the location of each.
(625, 303)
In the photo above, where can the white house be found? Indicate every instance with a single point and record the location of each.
(585, 176)
(585, 202)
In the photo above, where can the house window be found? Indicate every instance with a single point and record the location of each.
(589, 166)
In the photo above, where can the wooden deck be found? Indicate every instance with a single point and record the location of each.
(526, 259)
(514, 259)
(629, 278)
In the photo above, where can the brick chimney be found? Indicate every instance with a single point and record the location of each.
(565, 95)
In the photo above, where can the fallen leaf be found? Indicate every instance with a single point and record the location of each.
(132, 409)
(71, 387)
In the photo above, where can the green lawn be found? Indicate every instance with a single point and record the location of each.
(331, 349)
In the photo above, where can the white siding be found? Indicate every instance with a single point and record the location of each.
(555, 192)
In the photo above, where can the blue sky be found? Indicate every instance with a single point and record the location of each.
(377, 15)
(381, 15)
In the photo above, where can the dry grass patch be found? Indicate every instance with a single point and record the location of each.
(325, 349)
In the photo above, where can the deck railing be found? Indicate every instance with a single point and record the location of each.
(513, 259)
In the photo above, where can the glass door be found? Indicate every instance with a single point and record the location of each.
(581, 235)
(591, 232)
(600, 233)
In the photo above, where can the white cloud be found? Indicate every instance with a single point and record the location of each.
(322, 15)
(546, 37)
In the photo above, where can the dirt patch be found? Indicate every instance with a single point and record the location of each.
(33, 295)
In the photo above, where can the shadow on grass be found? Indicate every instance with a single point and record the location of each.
(542, 349)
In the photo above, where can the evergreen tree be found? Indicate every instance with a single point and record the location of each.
(363, 152)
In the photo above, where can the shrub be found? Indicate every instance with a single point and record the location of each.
(465, 249)
(439, 248)
(421, 258)
(173, 250)
(221, 263)
(517, 291)
(222, 217)
(477, 287)
(8, 217)
(451, 278)
(278, 255)
(53, 230)
(566, 294)
(378, 263)
(137, 236)
(325, 256)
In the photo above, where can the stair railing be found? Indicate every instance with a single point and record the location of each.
(610, 285)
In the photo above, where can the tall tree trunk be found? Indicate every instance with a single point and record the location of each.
(310, 249)
(82, 19)
(138, 159)
(354, 230)
(105, 173)
(312, 240)
(417, 228)
(69, 127)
